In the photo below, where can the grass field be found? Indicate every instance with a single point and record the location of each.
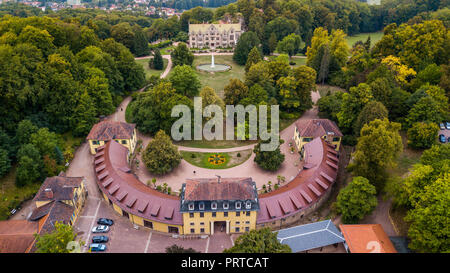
(218, 80)
(374, 38)
(230, 160)
(148, 71)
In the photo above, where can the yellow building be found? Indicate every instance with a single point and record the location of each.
(214, 205)
(307, 130)
(65, 195)
(104, 131)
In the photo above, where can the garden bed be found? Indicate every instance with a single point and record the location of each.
(216, 160)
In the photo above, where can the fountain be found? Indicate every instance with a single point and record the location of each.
(213, 67)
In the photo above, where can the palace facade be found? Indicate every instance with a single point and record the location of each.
(213, 36)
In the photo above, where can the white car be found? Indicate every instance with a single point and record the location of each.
(100, 229)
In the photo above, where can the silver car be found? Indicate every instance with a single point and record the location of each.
(100, 229)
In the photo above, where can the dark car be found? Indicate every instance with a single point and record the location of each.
(105, 221)
(442, 138)
(100, 239)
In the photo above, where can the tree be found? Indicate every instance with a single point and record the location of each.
(151, 111)
(124, 34)
(140, 46)
(234, 92)
(160, 155)
(45, 141)
(371, 111)
(181, 55)
(429, 230)
(179, 249)
(84, 114)
(209, 97)
(378, 147)
(268, 160)
(256, 96)
(272, 43)
(247, 41)
(295, 90)
(5, 162)
(425, 110)
(56, 241)
(290, 44)
(253, 58)
(157, 61)
(24, 131)
(258, 241)
(96, 85)
(422, 135)
(185, 81)
(356, 200)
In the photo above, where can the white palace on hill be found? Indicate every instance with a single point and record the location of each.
(212, 36)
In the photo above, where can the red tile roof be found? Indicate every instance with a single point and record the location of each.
(369, 238)
(107, 130)
(17, 236)
(317, 128)
(227, 189)
(139, 199)
(304, 190)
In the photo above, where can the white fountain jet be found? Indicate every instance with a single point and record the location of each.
(212, 59)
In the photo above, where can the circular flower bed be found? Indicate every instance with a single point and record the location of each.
(216, 159)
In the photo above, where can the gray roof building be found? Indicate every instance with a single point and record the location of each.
(310, 236)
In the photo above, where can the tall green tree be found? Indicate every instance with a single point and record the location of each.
(160, 155)
(371, 111)
(235, 91)
(157, 61)
(356, 200)
(246, 42)
(181, 55)
(258, 241)
(422, 135)
(253, 58)
(268, 160)
(378, 147)
(185, 81)
(290, 44)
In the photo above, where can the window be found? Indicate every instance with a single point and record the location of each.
(148, 224)
(192, 230)
(201, 206)
(307, 139)
(202, 230)
(237, 229)
(202, 223)
(191, 206)
(124, 142)
(213, 214)
(238, 223)
(248, 205)
(202, 214)
(225, 214)
(238, 205)
(225, 205)
(335, 139)
(191, 215)
(238, 213)
(213, 205)
(192, 223)
(247, 222)
(247, 228)
(247, 213)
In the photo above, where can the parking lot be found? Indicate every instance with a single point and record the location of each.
(444, 132)
(124, 238)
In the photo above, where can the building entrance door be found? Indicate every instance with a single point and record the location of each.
(220, 227)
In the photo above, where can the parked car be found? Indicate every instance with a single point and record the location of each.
(442, 138)
(442, 126)
(105, 222)
(100, 239)
(97, 247)
(448, 139)
(100, 229)
(447, 125)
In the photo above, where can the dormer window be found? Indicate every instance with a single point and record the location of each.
(213, 205)
(225, 205)
(238, 205)
(248, 205)
(191, 206)
(201, 206)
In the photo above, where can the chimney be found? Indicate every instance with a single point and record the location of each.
(48, 193)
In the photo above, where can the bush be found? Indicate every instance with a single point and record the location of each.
(238, 154)
(193, 156)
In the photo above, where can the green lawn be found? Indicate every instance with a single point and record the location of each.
(230, 160)
(166, 50)
(374, 38)
(218, 80)
(148, 71)
(11, 196)
(297, 61)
